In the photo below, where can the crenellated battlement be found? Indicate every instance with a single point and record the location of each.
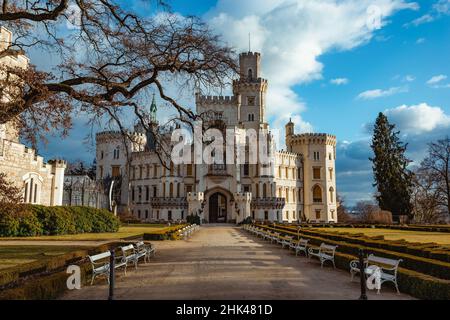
(250, 54)
(219, 100)
(313, 138)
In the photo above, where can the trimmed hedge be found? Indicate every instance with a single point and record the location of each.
(435, 268)
(419, 283)
(169, 233)
(46, 279)
(36, 220)
(425, 250)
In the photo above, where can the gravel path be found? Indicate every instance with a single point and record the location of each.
(225, 262)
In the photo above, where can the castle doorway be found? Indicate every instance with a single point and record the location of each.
(217, 208)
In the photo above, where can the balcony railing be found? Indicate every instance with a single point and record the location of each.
(217, 169)
(159, 202)
(271, 202)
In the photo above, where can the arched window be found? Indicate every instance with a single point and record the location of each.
(317, 194)
(331, 194)
(250, 74)
(32, 188)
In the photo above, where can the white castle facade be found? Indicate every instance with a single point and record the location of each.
(41, 182)
(299, 184)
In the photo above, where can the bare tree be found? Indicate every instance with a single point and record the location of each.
(342, 212)
(10, 196)
(426, 199)
(109, 61)
(435, 176)
(369, 212)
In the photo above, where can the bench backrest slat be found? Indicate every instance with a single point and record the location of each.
(100, 256)
(383, 261)
(303, 242)
(127, 248)
(327, 248)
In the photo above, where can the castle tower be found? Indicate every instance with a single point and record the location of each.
(319, 174)
(252, 89)
(58, 167)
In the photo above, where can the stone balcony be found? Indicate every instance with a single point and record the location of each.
(217, 170)
(268, 203)
(160, 202)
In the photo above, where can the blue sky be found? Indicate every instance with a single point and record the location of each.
(332, 70)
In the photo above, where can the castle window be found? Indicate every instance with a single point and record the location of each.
(317, 214)
(116, 153)
(147, 193)
(316, 173)
(264, 190)
(246, 169)
(266, 215)
(189, 169)
(146, 214)
(329, 156)
(171, 190)
(101, 171)
(287, 173)
(169, 215)
(178, 190)
(250, 74)
(155, 192)
(132, 194)
(115, 171)
(331, 194)
(316, 155)
(101, 155)
(251, 101)
(189, 188)
(317, 194)
(139, 193)
(330, 170)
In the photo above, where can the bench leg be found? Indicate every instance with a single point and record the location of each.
(334, 266)
(92, 279)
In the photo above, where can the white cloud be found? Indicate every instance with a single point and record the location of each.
(420, 40)
(339, 81)
(417, 119)
(409, 78)
(436, 79)
(293, 34)
(378, 93)
(442, 7)
(426, 18)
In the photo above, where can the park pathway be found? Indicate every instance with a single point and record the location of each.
(225, 262)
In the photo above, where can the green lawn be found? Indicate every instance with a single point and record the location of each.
(390, 234)
(11, 256)
(124, 232)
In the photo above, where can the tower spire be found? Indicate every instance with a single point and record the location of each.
(153, 109)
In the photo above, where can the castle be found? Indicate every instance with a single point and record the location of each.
(298, 185)
(42, 183)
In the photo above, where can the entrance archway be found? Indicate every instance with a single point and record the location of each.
(217, 208)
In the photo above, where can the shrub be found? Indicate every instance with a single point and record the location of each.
(193, 219)
(36, 220)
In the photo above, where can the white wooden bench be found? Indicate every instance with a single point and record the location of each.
(129, 255)
(325, 253)
(389, 268)
(301, 245)
(144, 250)
(275, 236)
(100, 265)
(286, 241)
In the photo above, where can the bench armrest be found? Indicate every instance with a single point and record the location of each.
(313, 250)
